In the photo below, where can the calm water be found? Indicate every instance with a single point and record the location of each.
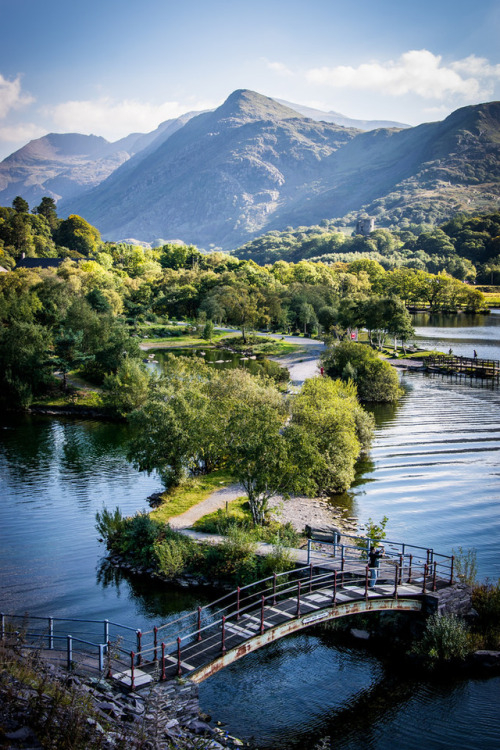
(434, 470)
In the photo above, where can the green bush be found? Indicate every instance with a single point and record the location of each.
(486, 602)
(445, 639)
(234, 560)
(376, 380)
(277, 561)
(171, 557)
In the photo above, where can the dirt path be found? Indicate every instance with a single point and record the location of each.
(216, 500)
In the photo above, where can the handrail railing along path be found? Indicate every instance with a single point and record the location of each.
(334, 582)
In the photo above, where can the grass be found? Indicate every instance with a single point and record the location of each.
(194, 491)
(492, 299)
(187, 340)
(239, 517)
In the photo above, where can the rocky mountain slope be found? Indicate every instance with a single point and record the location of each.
(63, 165)
(218, 179)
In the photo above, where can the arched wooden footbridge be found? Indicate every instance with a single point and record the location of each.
(335, 583)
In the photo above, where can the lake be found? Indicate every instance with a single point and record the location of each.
(433, 471)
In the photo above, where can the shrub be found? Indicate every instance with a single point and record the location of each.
(109, 525)
(277, 561)
(486, 602)
(376, 380)
(466, 565)
(234, 560)
(171, 557)
(445, 639)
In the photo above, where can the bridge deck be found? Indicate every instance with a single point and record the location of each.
(236, 631)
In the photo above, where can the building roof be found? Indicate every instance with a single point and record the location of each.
(39, 262)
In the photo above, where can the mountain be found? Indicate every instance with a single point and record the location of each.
(218, 179)
(63, 165)
(338, 119)
(424, 174)
(255, 165)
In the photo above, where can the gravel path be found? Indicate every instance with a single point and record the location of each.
(216, 500)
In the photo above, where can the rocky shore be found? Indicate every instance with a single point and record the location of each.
(42, 706)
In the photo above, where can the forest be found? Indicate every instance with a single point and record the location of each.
(71, 302)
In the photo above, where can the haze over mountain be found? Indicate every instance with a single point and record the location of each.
(219, 178)
(63, 165)
(339, 119)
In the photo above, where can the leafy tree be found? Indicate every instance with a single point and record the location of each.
(128, 388)
(208, 330)
(24, 363)
(335, 429)
(376, 380)
(77, 234)
(20, 205)
(47, 209)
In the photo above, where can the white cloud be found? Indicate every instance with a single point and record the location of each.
(11, 96)
(21, 133)
(280, 68)
(415, 72)
(114, 119)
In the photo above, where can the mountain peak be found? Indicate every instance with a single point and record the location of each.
(247, 104)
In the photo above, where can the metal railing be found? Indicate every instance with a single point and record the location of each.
(339, 565)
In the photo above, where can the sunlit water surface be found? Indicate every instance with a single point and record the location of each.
(434, 471)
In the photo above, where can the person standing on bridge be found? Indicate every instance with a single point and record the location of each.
(374, 562)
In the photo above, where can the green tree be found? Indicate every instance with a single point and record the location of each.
(77, 234)
(24, 363)
(20, 205)
(47, 209)
(128, 388)
(376, 380)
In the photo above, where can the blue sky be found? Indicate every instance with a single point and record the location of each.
(114, 67)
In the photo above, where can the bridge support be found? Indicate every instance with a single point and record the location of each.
(293, 626)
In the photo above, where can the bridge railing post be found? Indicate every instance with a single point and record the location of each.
(101, 657)
(334, 588)
(223, 643)
(155, 631)
(199, 623)
(132, 667)
(298, 598)
(51, 633)
(310, 577)
(108, 658)
(274, 589)
(69, 647)
(424, 579)
(366, 581)
(342, 560)
(451, 569)
(396, 580)
(139, 648)
(401, 569)
(262, 615)
(409, 568)
(163, 673)
(434, 576)
(308, 551)
(106, 631)
(179, 665)
(238, 603)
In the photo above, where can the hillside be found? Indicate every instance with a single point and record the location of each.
(218, 179)
(339, 119)
(63, 165)
(421, 174)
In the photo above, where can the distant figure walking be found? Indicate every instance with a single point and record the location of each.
(374, 563)
(475, 354)
(450, 352)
